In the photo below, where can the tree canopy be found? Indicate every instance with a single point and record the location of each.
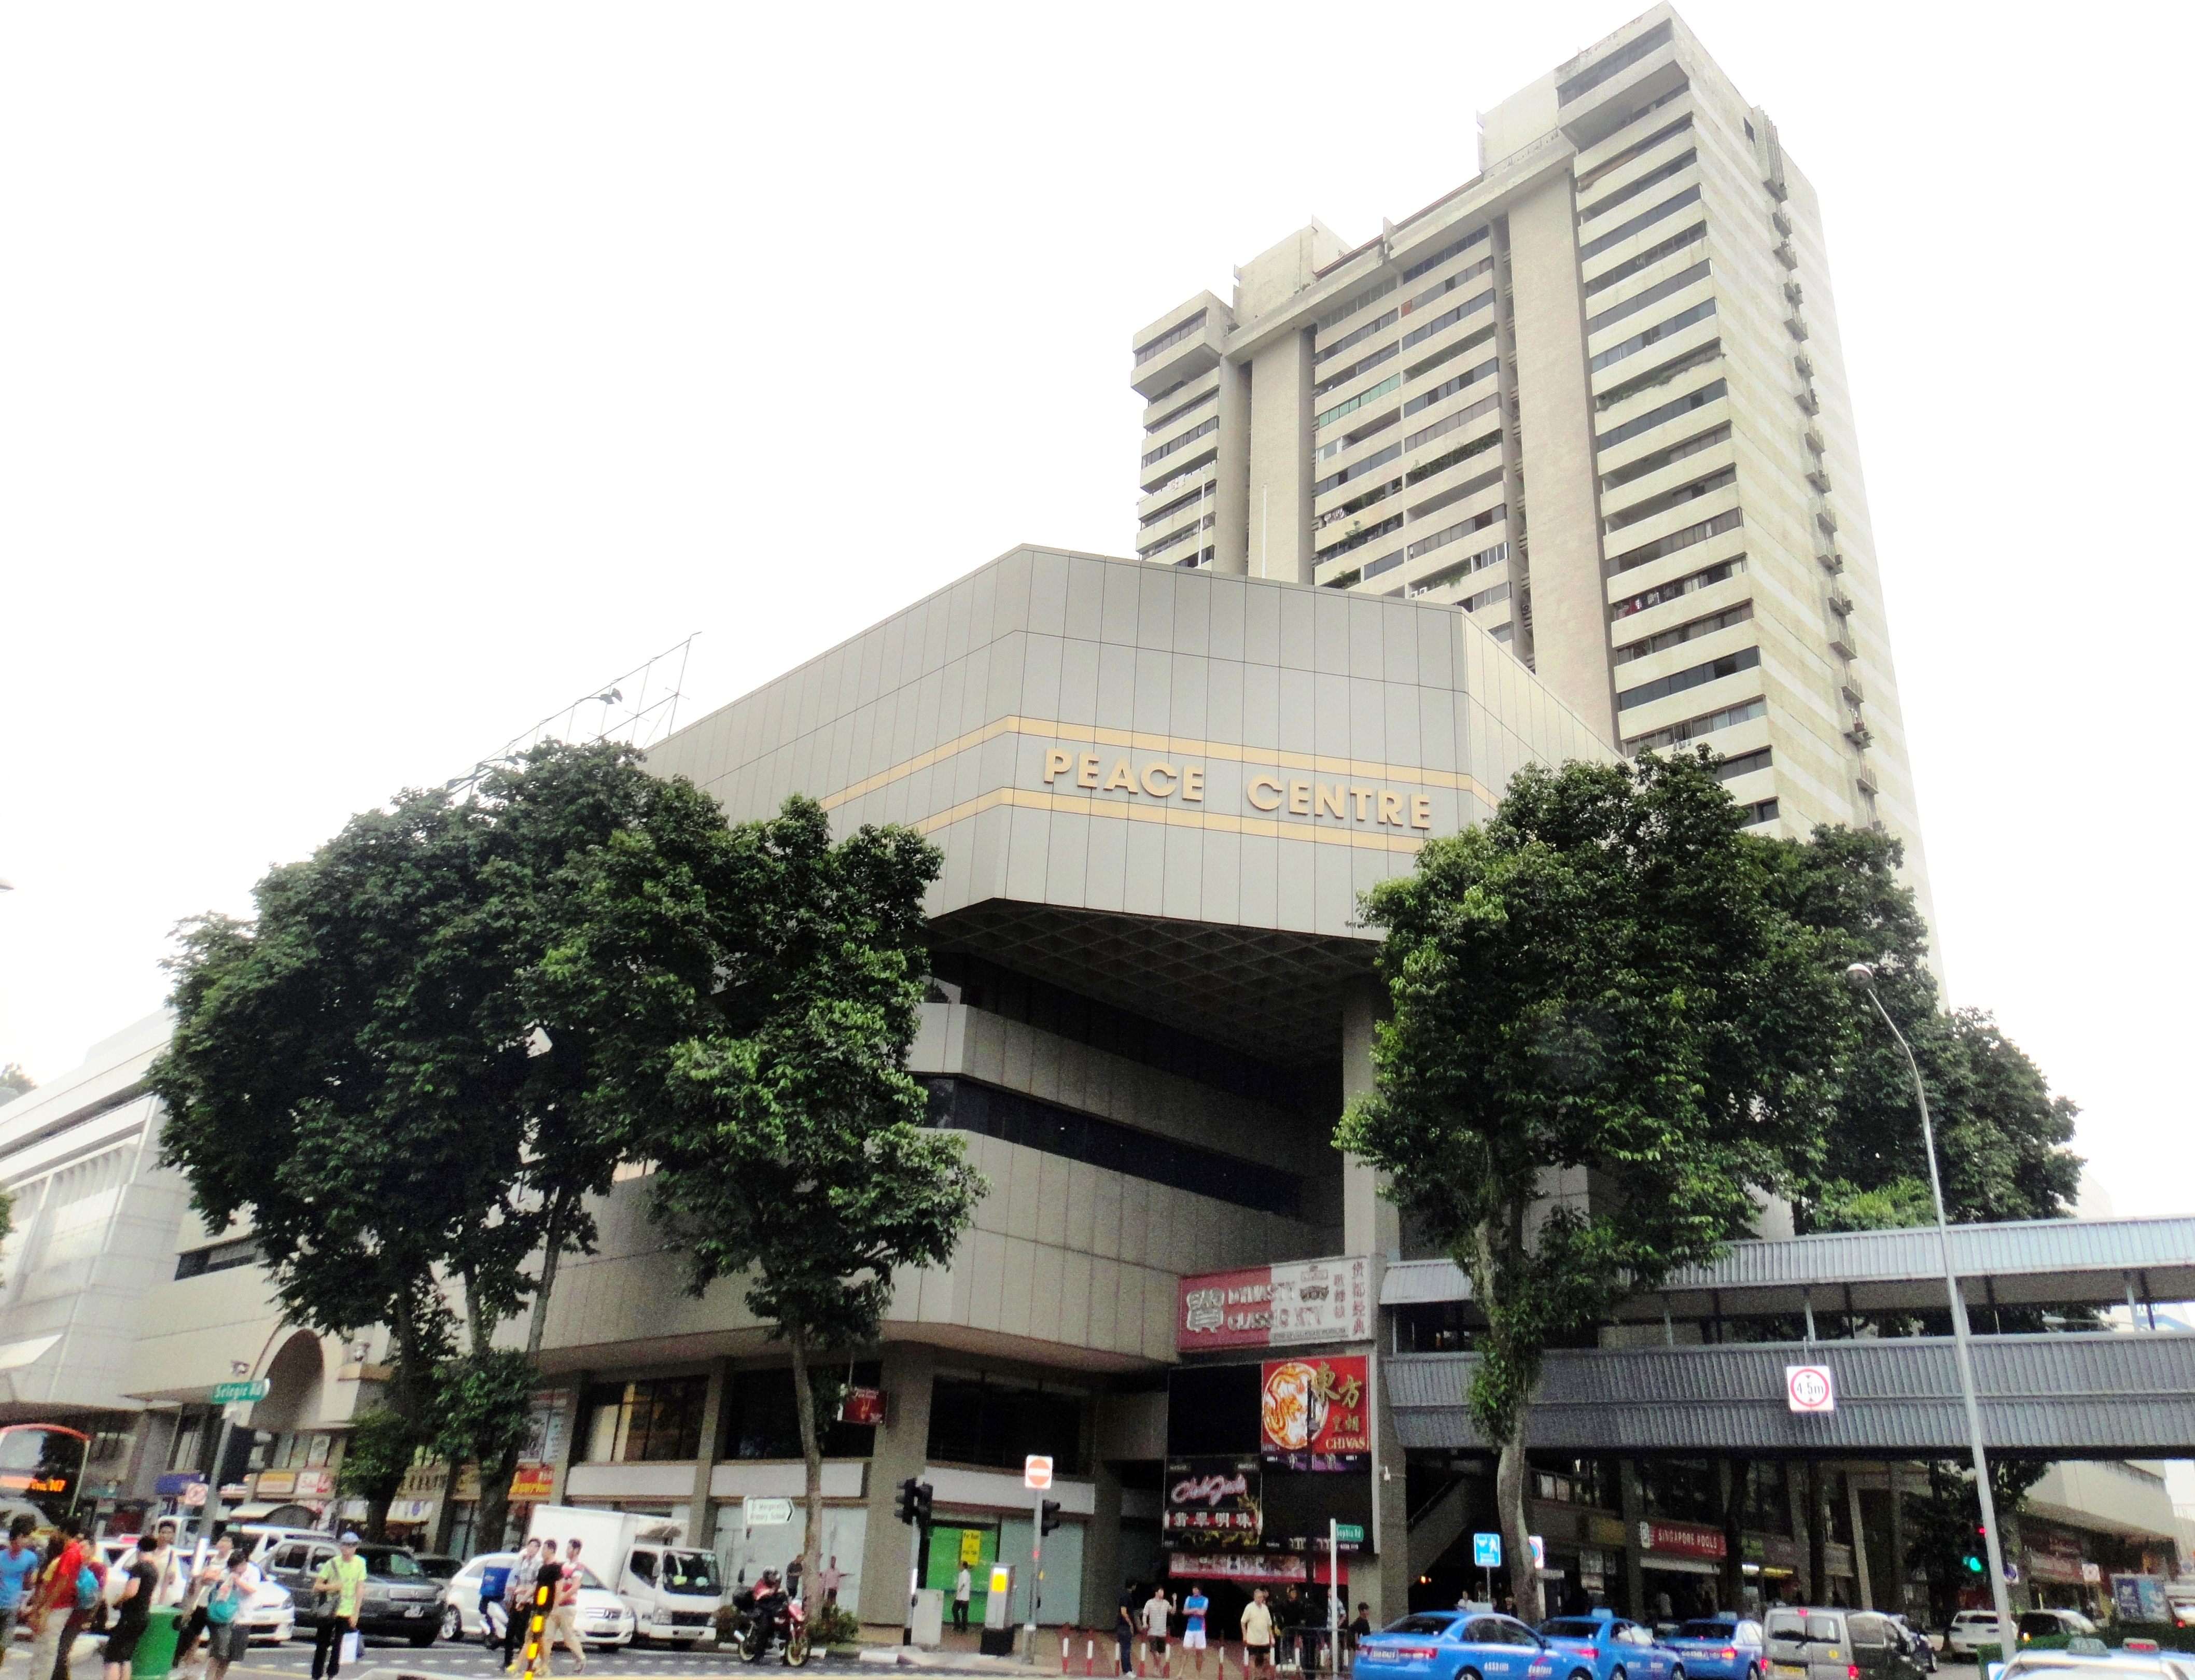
(773, 979)
(1598, 980)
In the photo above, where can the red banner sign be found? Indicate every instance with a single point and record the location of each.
(862, 1406)
(1301, 1302)
(1682, 1539)
(533, 1482)
(1315, 1406)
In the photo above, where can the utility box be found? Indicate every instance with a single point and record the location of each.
(930, 1617)
(999, 1631)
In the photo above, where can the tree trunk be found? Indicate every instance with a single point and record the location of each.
(446, 1514)
(376, 1517)
(1733, 1535)
(1512, 1499)
(811, 1451)
(494, 1513)
(552, 1244)
(1817, 1533)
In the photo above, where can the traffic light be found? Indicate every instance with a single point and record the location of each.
(923, 1497)
(910, 1500)
(1973, 1560)
(1050, 1516)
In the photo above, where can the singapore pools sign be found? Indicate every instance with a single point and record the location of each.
(1172, 780)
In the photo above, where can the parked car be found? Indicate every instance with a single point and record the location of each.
(604, 1618)
(1814, 1644)
(1442, 1644)
(1968, 1629)
(2101, 1664)
(1605, 1647)
(441, 1568)
(401, 1601)
(1918, 1645)
(271, 1616)
(1721, 1648)
(2053, 1625)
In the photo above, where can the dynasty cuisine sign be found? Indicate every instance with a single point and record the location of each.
(1300, 1302)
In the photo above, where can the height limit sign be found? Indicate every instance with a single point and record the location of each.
(1810, 1387)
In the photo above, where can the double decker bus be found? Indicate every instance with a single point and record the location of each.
(41, 1465)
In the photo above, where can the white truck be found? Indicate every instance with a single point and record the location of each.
(672, 1590)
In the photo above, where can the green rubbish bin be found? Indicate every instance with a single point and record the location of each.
(156, 1646)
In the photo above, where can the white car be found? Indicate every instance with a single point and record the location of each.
(271, 1616)
(604, 1619)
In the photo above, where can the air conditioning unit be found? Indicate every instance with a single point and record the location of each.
(1859, 734)
(1852, 692)
(1785, 254)
(1844, 644)
(1809, 402)
(1826, 517)
(1819, 476)
(1795, 292)
(1867, 782)
(1830, 561)
(1797, 326)
(1782, 218)
(1816, 441)
(1839, 604)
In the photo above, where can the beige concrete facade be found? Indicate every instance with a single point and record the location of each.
(1595, 399)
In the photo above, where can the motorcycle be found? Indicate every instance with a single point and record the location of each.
(754, 1633)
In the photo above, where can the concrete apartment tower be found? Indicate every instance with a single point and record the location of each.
(1595, 398)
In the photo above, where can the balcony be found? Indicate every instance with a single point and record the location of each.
(1182, 352)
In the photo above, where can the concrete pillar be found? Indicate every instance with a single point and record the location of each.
(1569, 611)
(1385, 1586)
(1634, 1511)
(1370, 1225)
(1859, 1544)
(1799, 1483)
(701, 1515)
(902, 1442)
(1897, 1594)
(1280, 457)
(1231, 531)
(1101, 1546)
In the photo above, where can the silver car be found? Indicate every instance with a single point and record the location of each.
(603, 1618)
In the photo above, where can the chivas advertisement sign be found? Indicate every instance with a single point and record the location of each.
(1315, 1409)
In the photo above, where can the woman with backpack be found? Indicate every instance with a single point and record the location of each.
(227, 1637)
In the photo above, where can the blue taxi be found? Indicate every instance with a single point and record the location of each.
(1605, 1647)
(1456, 1645)
(1721, 1648)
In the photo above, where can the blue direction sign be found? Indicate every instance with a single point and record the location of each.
(1486, 1551)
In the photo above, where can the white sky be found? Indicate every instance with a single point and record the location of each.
(374, 381)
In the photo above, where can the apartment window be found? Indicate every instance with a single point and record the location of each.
(1659, 417)
(1615, 394)
(1677, 541)
(1469, 341)
(1676, 681)
(760, 1422)
(1152, 551)
(220, 1258)
(1358, 469)
(1334, 318)
(1493, 597)
(1613, 66)
(1449, 387)
(1461, 277)
(1357, 503)
(1457, 534)
(1693, 727)
(1653, 295)
(1744, 764)
(1654, 335)
(1639, 150)
(1162, 514)
(1356, 338)
(1327, 452)
(1364, 365)
(1646, 465)
(1182, 442)
(1462, 417)
(1722, 479)
(964, 1105)
(1764, 811)
(1371, 534)
(1698, 580)
(1687, 1489)
(1172, 336)
(1454, 493)
(1646, 183)
(1684, 633)
(1426, 265)
(1503, 631)
(1647, 258)
(1462, 568)
(1638, 224)
(1441, 463)
(986, 1419)
(630, 1423)
(1166, 420)
(1447, 318)
(1392, 382)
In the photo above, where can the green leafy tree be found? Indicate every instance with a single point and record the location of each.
(1594, 979)
(778, 976)
(372, 1071)
(2001, 1134)
(378, 1454)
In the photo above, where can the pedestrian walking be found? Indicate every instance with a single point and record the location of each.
(338, 1590)
(518, 1601)
(1124, 1624)
(964, 1588)
(1258, 1635)
(55, 1599)
(831, 1578)
(1158, 1620)
(204, 1580)
(564, 1614)
(1193, 1609)
(227, 1635)
(130, 1598)
(19, 1572)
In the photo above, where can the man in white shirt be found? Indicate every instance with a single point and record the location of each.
(1158, 1613)
(964, 1587)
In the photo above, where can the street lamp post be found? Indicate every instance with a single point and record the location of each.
(1862, 979)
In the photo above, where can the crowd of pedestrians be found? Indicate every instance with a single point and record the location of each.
(1293, 1633)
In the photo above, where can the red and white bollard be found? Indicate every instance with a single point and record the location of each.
(1090, 1651)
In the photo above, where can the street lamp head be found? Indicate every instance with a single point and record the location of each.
(1860, 977)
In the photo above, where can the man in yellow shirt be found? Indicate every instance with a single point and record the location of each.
(338, 1588)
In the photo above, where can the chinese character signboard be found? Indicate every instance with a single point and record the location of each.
(862, 1406)
(1315, 1407)
(1683, 1540)
(1303, 1302)
(1212, 1503)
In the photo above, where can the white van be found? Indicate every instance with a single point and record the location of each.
(673, 1590)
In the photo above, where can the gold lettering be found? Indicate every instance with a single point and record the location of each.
(1120, 778)
(1421, 810)
(1088, 777)
(1300, 799)
(1163, 770)
(1055, 762)
(1363, 795)
(1390, 808)
(1272, 804)
(1330, 800)
(1192, 783)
